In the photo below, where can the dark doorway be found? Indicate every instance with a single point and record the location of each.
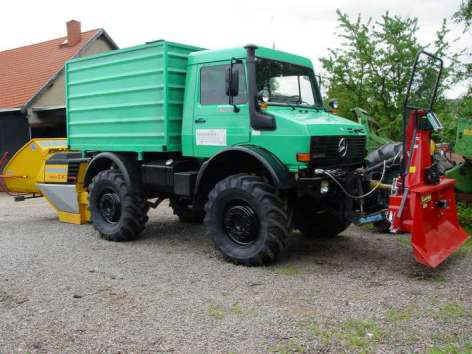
(14, 132)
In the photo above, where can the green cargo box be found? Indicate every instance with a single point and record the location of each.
(127, 100)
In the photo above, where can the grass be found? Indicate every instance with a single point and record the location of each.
(451, 348)
(428, 275)
(325, 336)
(405, 240)
(219, 312)
(466, 248)
(464, 213)
(287, 270)
(366, 335)
(354, 334)
(465, 216)
(359, 333)
(451, 311)
(216, 311)
(398, 314)
(289, 346)
(236, 309)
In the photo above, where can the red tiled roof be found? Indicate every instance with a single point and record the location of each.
(24, 70)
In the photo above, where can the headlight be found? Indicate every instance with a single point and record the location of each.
(324, 188)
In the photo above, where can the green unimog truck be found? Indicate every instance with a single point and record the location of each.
(236, 137)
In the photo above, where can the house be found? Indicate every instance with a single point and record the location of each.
(32, 97)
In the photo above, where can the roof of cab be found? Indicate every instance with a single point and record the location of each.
(205, 56)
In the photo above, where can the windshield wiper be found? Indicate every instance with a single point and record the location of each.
(292, 107)
(281, 104)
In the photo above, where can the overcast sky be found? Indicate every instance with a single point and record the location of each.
(300, 26)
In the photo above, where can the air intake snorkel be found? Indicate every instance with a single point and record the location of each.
(259, 120)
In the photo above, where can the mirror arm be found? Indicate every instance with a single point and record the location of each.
(231, 97)
(230, 83)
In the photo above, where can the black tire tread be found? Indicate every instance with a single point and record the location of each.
(134, 211)
(275, 215)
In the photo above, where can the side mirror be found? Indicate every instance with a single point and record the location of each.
(333, 104)
(232, 82)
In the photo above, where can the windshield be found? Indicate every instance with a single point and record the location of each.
(287, 84)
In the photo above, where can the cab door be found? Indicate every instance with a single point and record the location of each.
(216, 123)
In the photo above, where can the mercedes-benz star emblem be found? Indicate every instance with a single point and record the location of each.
(342, 147)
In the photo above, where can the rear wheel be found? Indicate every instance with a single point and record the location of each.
(246, 220)
(118, 211)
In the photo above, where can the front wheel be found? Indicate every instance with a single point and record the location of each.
(246, 220)
(118, 211)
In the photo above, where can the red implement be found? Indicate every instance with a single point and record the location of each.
(424, 207)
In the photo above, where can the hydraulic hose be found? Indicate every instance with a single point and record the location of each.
(321, 171)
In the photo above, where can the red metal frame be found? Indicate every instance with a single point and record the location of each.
(427, 211)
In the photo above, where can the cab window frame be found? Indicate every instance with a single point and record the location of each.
(238, 100)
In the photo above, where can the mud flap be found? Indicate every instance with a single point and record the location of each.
(435, 231)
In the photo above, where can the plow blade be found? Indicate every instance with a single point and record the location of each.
(435, 231)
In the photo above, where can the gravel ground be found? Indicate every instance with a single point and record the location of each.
(63, 289)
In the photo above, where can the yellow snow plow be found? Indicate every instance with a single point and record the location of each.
(46, 168)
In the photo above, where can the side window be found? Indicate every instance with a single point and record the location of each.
(212, 85)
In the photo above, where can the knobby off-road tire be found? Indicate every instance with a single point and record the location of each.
(320, 225)
(246, 220)
(376, 157)
(118, 211)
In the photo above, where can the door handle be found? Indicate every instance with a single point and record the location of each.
(200, 120)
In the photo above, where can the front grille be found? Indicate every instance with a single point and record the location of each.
(325, 151)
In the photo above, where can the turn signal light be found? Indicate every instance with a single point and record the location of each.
(303, 157)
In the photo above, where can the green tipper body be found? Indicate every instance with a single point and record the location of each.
(127, 100)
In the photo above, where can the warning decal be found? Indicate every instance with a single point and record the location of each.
(213, 137)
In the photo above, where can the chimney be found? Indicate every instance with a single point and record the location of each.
(73, 33)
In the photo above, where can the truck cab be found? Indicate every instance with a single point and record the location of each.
(287, 109)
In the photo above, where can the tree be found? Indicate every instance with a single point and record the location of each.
(372, 68)
(464, 14)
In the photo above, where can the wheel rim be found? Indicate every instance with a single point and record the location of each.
(110, 206)
(240, 223)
